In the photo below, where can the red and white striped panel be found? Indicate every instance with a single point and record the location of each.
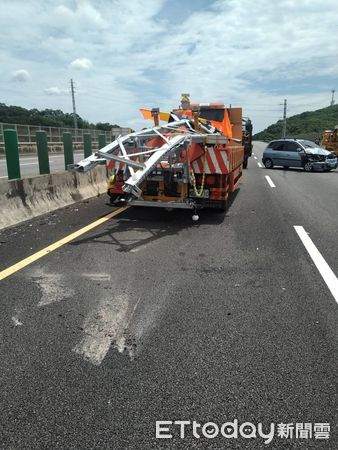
(216, 161)
(114, 165)
(119, 166)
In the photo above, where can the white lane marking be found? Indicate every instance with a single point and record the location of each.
(271, 183)
(253, 153)
(255, 157)
(259, 165)
(324, 269)
(4, 176)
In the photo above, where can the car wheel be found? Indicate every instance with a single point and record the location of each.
(268, 163)
(308, 166)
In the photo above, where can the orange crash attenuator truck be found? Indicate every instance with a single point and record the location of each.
(190, 158)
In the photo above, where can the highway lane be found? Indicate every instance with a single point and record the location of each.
(29, 164)
(150, 317)
(314, 197)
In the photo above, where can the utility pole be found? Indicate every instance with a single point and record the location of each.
(284, 119)
(73, 100)
(332, 99)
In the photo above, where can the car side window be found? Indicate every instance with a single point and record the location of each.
(279, 145)
(292, 146)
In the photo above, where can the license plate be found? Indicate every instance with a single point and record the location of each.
(205, 193)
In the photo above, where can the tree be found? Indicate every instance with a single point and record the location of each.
(307, 125)
(46, 117)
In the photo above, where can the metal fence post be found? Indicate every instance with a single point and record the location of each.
(102, 140)
(87, 144)
(12, 154)
(42, 148)
(68, 149)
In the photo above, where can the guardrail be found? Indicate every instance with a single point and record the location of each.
(12, 146)
(27, 134)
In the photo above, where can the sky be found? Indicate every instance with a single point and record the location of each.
(128, 54)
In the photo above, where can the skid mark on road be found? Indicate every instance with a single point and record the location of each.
(97, 276)
(324, 269)
(137, 249)
(104, 326)
(52, 287)
(16, 322)
(121, 323)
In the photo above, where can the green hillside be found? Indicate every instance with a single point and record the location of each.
(46, 117)
(307, 125)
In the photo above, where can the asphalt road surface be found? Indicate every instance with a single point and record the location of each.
(149, 317)
(29, 164)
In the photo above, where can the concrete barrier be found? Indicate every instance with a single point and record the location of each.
(30, 197)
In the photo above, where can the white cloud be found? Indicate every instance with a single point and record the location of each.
(59, 46)
(21, 75)
(81, 63)
(54, 90)
(84, 16)
(223, 50)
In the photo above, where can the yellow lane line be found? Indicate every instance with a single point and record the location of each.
(30, 259)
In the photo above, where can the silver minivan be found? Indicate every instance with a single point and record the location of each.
(298, 153)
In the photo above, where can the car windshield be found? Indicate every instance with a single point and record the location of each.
(309, 144)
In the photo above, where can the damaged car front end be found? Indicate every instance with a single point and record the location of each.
(317, 158)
